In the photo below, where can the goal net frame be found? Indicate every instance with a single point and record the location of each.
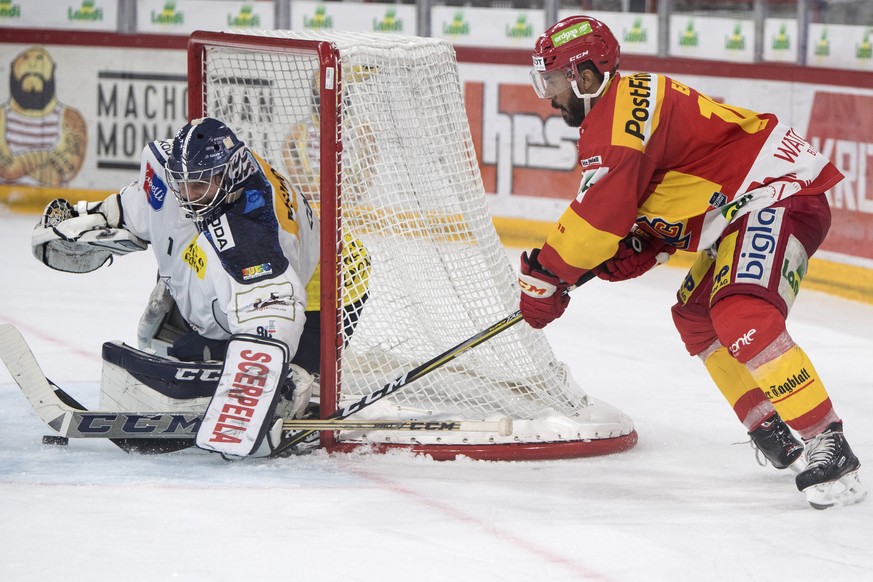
(604, 429)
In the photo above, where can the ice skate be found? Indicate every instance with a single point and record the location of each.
(777, 443)
(831, 475)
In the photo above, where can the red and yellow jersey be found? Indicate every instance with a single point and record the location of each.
(680, 166)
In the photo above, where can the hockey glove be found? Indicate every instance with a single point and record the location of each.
(636, 254)
(543, 297)
(81, 238)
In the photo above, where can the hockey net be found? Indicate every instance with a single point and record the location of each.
(373, 129)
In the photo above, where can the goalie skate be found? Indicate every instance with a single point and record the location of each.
(831, 475)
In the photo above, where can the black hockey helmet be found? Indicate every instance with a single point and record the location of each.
(208, 163)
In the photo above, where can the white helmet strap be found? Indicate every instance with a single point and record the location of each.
(587, 97)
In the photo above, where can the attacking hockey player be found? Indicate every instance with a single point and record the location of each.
(236, 244)
(677, 170)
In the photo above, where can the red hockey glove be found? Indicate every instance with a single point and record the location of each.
(543, 297)
(636, 255)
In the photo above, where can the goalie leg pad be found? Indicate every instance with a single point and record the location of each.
(137, 381)
(241, 412)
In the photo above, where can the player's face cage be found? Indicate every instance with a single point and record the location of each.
(199, 191)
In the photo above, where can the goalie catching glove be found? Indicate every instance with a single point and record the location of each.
(543, 294)
(81, 239)
(636, 254)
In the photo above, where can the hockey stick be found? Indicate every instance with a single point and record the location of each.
(291, 439)
(142, 431)
(503, 427)
(53, 405)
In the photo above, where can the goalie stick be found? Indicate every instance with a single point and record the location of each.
(154, 432)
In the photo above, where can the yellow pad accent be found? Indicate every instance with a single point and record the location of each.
(731, 377)
(791, 383)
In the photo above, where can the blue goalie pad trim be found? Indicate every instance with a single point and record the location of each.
(180, 380)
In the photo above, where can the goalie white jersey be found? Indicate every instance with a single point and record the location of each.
(246, 271)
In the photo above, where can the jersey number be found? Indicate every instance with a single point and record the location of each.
(747, 120)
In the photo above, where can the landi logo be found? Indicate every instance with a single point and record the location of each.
(521, 29)
(457, 27)
(864, 50)
(839, 129)
(781, 41)
(319, 20)
(9, 10)
(523, 145)
(245, 19)
(88, 12)
(389, 23)
(169, 15)
(736, 41)
(637, 34)
(823, 46)
(689, 36)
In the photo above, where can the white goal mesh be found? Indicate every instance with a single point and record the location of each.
(420, 266)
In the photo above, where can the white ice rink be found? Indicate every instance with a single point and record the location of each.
(688, 503)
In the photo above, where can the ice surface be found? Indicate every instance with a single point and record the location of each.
(689, 503)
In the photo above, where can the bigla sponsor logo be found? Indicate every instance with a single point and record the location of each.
(319, 20)
(245, 19)
(88, 12)
(9, 10)
(168, 15)
(389, 23)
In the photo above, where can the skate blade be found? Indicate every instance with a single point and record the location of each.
(797, 466)
(847, 490)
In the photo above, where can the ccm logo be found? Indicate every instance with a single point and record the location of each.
(533, 290)
(205, 375)
(744, 340)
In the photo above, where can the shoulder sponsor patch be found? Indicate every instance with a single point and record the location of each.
(155, 188)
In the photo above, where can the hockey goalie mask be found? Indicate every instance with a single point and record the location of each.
(207, 164)
(564, 46)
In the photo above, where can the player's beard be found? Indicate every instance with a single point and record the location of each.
(32, 100)
(574, 113)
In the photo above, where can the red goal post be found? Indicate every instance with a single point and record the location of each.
(372, 129)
